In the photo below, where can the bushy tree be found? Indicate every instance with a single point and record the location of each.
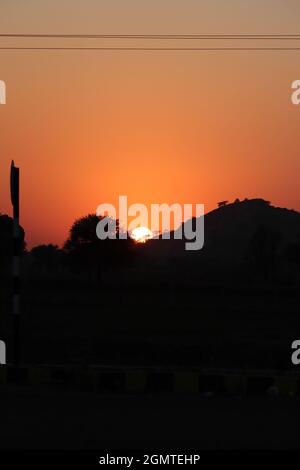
(86, 251)
(47, 256)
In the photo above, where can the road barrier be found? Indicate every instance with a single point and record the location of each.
(155, 380)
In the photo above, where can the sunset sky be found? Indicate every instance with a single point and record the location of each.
(158, 126)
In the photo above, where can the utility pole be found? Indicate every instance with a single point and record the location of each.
(16, 261)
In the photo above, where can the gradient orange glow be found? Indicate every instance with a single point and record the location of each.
(187, 127)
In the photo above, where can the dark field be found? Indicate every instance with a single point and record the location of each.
(72, 321)
(35, 419)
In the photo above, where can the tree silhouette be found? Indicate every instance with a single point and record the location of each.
(47, 256)
(222, 203)
(86, 252)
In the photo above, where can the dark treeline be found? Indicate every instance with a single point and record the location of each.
(235, 303)
(244, 241)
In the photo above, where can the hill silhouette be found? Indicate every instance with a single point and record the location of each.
(250, 233)
(234, 303)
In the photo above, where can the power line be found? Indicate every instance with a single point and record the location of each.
(196, 37)
(154, 36)
(152, 48)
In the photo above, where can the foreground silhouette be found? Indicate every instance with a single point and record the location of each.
(233, 304)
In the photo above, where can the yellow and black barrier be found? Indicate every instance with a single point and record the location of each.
(154, 381)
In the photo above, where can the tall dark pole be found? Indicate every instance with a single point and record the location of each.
(16, 260)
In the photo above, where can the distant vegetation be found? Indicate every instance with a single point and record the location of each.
(84, 252)
(235, 303)
(247, 239)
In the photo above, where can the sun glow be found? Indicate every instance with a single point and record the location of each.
(141, 234)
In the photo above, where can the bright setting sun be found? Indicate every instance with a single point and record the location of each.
(141, 234)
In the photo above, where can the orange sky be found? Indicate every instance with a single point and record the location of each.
(86, 126)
